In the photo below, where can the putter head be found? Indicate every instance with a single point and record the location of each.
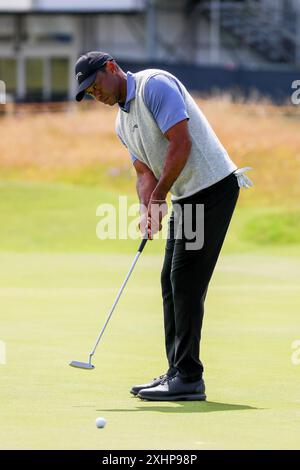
(82, 365)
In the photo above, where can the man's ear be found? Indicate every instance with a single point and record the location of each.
(111, 66)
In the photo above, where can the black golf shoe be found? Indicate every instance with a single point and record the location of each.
(174, 389)
(136, 388)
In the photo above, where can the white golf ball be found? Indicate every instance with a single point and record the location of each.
(100, 422)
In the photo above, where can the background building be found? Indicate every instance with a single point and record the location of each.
(246, 44)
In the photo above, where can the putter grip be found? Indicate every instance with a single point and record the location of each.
(142, 245)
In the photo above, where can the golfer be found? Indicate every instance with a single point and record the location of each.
(173, 149)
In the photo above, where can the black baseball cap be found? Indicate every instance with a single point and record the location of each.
(86, 70)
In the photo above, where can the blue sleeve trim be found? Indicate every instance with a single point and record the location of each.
(133, 157)
(164, 99)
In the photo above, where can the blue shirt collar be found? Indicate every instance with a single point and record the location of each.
(130, 92)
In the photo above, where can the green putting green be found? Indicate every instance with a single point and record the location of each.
(57, 283)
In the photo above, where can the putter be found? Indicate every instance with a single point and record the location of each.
(89, 365)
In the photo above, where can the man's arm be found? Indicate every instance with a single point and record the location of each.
(177, 154)
(151, 192)
(146, 182)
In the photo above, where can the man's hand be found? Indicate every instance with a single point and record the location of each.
(157, 209)
(151, 217)
(143, 223)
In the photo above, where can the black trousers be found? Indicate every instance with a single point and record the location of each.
(186, 272)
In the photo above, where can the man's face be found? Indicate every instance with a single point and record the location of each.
(106, 87)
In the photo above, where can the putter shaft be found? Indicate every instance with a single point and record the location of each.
(115, 303)
(89, 365)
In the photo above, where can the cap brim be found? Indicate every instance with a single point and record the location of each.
(84, 85)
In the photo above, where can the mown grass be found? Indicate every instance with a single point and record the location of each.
(54, 304)
(273, 227)
(60, 217)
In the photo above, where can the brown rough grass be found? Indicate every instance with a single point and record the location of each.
(82, 141)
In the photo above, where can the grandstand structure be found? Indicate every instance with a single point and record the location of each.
(40, 40)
